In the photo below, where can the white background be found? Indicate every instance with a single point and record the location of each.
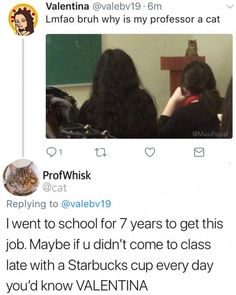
(171, 184)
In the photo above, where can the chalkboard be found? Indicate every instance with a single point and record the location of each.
(71, 59)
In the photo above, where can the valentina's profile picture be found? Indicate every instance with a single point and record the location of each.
(20, 178)
(23, 19)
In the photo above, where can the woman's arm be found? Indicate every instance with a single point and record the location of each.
(175, 99)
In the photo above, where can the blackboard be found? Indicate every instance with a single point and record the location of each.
(71, 59)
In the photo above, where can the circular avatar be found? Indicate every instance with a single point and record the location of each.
(23, 19)
(20, 177)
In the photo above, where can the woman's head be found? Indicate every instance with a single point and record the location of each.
(24, 21)
(117, 103)
(115, 74)
(197, 77)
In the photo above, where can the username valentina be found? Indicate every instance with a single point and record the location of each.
(70, 6)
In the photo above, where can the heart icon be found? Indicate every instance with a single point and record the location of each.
(150, 151)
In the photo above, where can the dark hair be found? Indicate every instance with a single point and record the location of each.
(198, 79)
(226, 127)
(118, 103)
(115, 74)
(29, 19)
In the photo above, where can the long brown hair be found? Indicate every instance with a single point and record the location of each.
(198, 79)
(29, 19)
(119, 102)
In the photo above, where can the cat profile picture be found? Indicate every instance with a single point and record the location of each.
(20, 177)
(23, 19)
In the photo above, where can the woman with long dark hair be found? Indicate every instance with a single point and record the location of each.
(117, 102)
(192, 110)
(23, 22)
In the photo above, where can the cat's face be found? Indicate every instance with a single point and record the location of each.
(21, 181)
(192, 43)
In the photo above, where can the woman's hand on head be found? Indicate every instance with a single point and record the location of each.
(173, 102)
(178, 96)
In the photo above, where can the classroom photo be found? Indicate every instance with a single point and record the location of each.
(139, 86)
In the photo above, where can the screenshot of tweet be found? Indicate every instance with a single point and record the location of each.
(117, 148)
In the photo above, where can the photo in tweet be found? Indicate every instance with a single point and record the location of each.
(139, 86)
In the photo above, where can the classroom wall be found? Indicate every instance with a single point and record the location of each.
(218, 52)
(146, 50)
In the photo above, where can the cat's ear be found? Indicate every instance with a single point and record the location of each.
(12, 168)
(30, 166)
